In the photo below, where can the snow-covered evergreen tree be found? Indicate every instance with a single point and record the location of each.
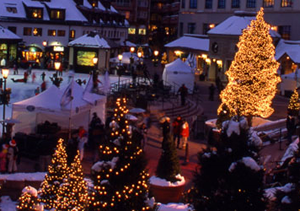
(28, 201)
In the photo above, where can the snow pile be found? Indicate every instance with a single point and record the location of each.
(247, 161)
(290, 151)
(286, 200)
(30, 190)
(255, 139)
(162, 182)
(104, 164)
(173, 207)
(37, 176)
(233, 126)
(7, 204)
(270, 193)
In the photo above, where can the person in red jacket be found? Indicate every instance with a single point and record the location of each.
(177, 125)
(185, 133)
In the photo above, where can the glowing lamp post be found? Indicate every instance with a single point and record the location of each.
(119, 70)
(44, 43)
(57, 65)
(156, 52)
(5, 95)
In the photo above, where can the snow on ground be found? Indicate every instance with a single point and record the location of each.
(162, 182)
(7, 204)
(37, 176)
(21, 91)
(173, 207)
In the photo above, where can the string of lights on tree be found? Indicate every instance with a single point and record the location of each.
(252, 76)
(294, 104)
(120, 179)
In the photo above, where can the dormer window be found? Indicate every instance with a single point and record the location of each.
(36, 13)
(56, 14)
(11, 9)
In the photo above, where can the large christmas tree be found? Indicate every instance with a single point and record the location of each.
(73, 194)
(120, 179)
(294, 105)
(252, 76)
(229, 177)
(57, 172)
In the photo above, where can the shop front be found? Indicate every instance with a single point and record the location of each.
(31, 55)
(8, 52)
(55, 54)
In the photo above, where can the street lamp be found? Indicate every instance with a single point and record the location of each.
(119, 71)
(131, 57)
(57, 65)
(5, 95)
(156, 52)
(132, 50)
(95, 76)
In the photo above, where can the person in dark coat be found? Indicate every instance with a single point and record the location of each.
(183, 93)
(211, 92)
(43, 75)
(72, 146)
(166, 129)
(177, 127)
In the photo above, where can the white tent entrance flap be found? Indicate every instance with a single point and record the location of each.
(46, 107)
(177, 73)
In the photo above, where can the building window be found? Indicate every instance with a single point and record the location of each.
(37, 32)
(180, 29)
(12, 29)
(127, 15)
(72, 34)
(193, 4)
(51, 33)
(182, 4)
(36, 13)
(206, 28)
(208, 4)
(235, 4)
(251, 4)
(268, 3)
(57, 14)
(191, 28)
(285, 32)
(221, 4)
(142, 31)
(11, 9)
(27, 31)
(61, 33)
(131, 30)
(286, 3)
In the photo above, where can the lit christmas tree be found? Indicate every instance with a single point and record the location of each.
(28, 201)
(294, 105)
(120, 179)
(229, 177)
(252, 76)
(57, 172)
(73, 194)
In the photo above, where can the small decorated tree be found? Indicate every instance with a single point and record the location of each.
(252, 76)
(168, 165)
(294, 105)
(120, 178)
(72, 194)
(229, 177)
(28, 201)
(57, 172)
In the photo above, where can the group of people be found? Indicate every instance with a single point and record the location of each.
(9, 157)
(180, 131)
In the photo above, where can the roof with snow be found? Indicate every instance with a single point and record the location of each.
(128, 44)
(6, 34)
(18, 11)
(91, 40)
(290, 48)
(235, 25)
(190, 42)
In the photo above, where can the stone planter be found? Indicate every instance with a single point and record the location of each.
(166, 194)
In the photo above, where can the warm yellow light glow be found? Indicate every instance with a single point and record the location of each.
(178, 53)
(120, 57)
(95, 60)
(139, 54)
(156, 52)
(204, 56)
(208, 61)
(212, 25)
(57, 65)
(219, 63)
(132, 49)
(5, 73)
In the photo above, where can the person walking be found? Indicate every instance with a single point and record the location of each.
(33, 77)
(37, 91)
(12, 155)
(83, 138)
(43, 86)
(211, 92)
(43, 75)
(16, 69)
(177, 125)
(185, 133)
(166, 129)
(183, 93)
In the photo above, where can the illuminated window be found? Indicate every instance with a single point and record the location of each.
(127, 14)
(285, 32)
(286, 3)
(35, 13)
(37, 32)
(61, 33)
(235, 4)
(57, 14)
(131, 30)
(251, 3)
(221, 4)
(72, 34)
(51, 32)
(11, 9)
(268, 3)
(27, 31)
(208, 4)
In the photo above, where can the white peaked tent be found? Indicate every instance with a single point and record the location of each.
(177, 73)
(46, 107)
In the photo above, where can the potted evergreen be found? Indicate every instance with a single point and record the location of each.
(168, 185)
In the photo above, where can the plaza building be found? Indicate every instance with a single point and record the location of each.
(47, 27)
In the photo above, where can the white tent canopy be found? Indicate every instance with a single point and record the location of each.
(178, 73)
(46, 107)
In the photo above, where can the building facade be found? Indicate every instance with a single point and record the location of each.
(199, 16)
(137, 12)
(47, 27)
